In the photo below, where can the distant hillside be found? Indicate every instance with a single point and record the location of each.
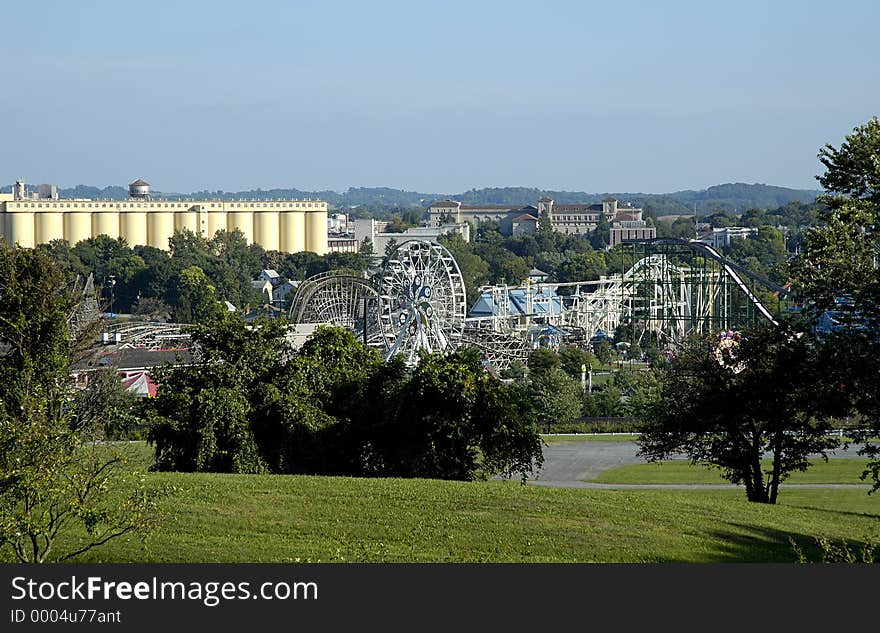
(729, 197)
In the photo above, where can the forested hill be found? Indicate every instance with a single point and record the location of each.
(729, 197)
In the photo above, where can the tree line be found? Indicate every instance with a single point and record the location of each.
(187, 281)
(335, 407)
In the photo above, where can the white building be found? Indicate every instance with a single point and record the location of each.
(722, 237)
(373, 230)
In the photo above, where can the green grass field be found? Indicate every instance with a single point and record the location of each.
(835, 471)
(276, 518)
(272, 518)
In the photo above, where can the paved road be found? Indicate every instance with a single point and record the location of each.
(582, 461)
(573, 464)
(588, 484)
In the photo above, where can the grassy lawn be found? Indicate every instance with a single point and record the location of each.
(271, 518)
(590, 437)
(602, 379)
(835, 471)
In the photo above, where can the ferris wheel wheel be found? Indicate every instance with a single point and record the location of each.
(422, 303)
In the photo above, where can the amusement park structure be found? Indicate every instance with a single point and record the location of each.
(665, 289)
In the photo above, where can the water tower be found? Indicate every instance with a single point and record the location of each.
(139, 189)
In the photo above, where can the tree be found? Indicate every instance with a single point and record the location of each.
(459, 422)
(557, 397)
(682, 228)
(854, 170)
(104, 406)
(542, 360)
(602, 403)
(474, 270)
(390, 247)
(727, 405)
(516, 371)
(572, 358)
(193, 296)
(202, 416)
(107, 257)
(53, 478)
(765, 253)
(504, 266)
(398, 225)
(582, 267)
(603, 352)
(151, 309)
(838, 272)
(601, 236)
(366, 248)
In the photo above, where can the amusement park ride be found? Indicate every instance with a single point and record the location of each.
(666, 289)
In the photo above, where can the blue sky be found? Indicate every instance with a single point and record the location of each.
(437, 97)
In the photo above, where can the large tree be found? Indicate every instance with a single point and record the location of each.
(557, 397)
(54, 479)
(729, 404)
(838, 274)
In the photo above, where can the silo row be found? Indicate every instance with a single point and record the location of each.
(287, 231)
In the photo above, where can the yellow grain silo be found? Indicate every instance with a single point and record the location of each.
(160, 228)
(316, 232)
(77, 226)
(50, 226)
(186, 219)
(266, 230)
(242, 220)
(216, 222)
(293, 232)
(105, 222)
(133, 227)
(20, 228)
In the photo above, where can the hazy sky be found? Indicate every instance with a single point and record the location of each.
(437, 97)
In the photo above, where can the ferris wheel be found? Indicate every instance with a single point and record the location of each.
(422, 304)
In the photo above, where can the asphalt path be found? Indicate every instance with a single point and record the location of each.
(573, 464)
(579, 461)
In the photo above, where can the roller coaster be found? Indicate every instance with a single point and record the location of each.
(664, 289)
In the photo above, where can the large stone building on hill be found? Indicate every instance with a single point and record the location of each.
(625, 221)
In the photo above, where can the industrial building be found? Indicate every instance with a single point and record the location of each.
(282, 225)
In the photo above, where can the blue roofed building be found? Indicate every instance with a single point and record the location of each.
(533, 310)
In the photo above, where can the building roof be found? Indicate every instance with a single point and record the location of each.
(545, 199)
(609, 199)
(444, 203)
(135, 358)
(140, 182)
(271, 273)
(525, 216)
(537, 272)
(141, 384)
(503, 207)
(543, 302)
